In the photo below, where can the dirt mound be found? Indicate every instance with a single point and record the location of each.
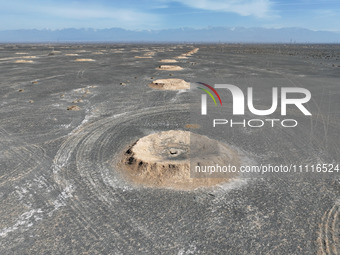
(73, 108)
(169, 68)
(168, 61)
(163, 160)
(23, 61)
(193, 51)
(84, 60)
(181, 56)
(170, 84)
(187, 54)
(143, 57)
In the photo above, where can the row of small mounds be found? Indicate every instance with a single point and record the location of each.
(172, 84)
(189, 53)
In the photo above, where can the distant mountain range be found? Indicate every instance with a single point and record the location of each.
(213, 34)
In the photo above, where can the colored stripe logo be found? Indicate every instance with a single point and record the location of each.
(209, 93)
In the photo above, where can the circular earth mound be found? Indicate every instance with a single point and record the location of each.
(169, 68)
(170, 84)
(168, 60)
(23, 61)
(164, 160)
(143, 57)
(84, 60)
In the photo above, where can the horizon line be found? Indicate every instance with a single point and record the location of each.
(177, 28)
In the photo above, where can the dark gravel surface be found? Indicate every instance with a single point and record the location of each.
(61, 191)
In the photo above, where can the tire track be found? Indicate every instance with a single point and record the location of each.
(85, 161)
(20, 157)
(328, 239)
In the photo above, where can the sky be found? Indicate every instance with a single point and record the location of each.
(166, 14)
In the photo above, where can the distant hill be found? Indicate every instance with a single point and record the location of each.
(213, 34)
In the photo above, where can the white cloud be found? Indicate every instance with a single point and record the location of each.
(325, 13)
(76, 13)
(93, 13)
(258, 8)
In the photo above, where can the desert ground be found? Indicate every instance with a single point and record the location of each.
(69, 112)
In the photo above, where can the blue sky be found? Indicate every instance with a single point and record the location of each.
(162, 14)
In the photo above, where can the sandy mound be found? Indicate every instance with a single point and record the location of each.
(23, 61)
(188, 54)
(163, 160)
(170, 84)
(71, 54)
(168, 61)
(84, 60)
(21, 53)
(73, 108)
(77, 101)
(169, 68)
(143, 57)
(193, 51)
